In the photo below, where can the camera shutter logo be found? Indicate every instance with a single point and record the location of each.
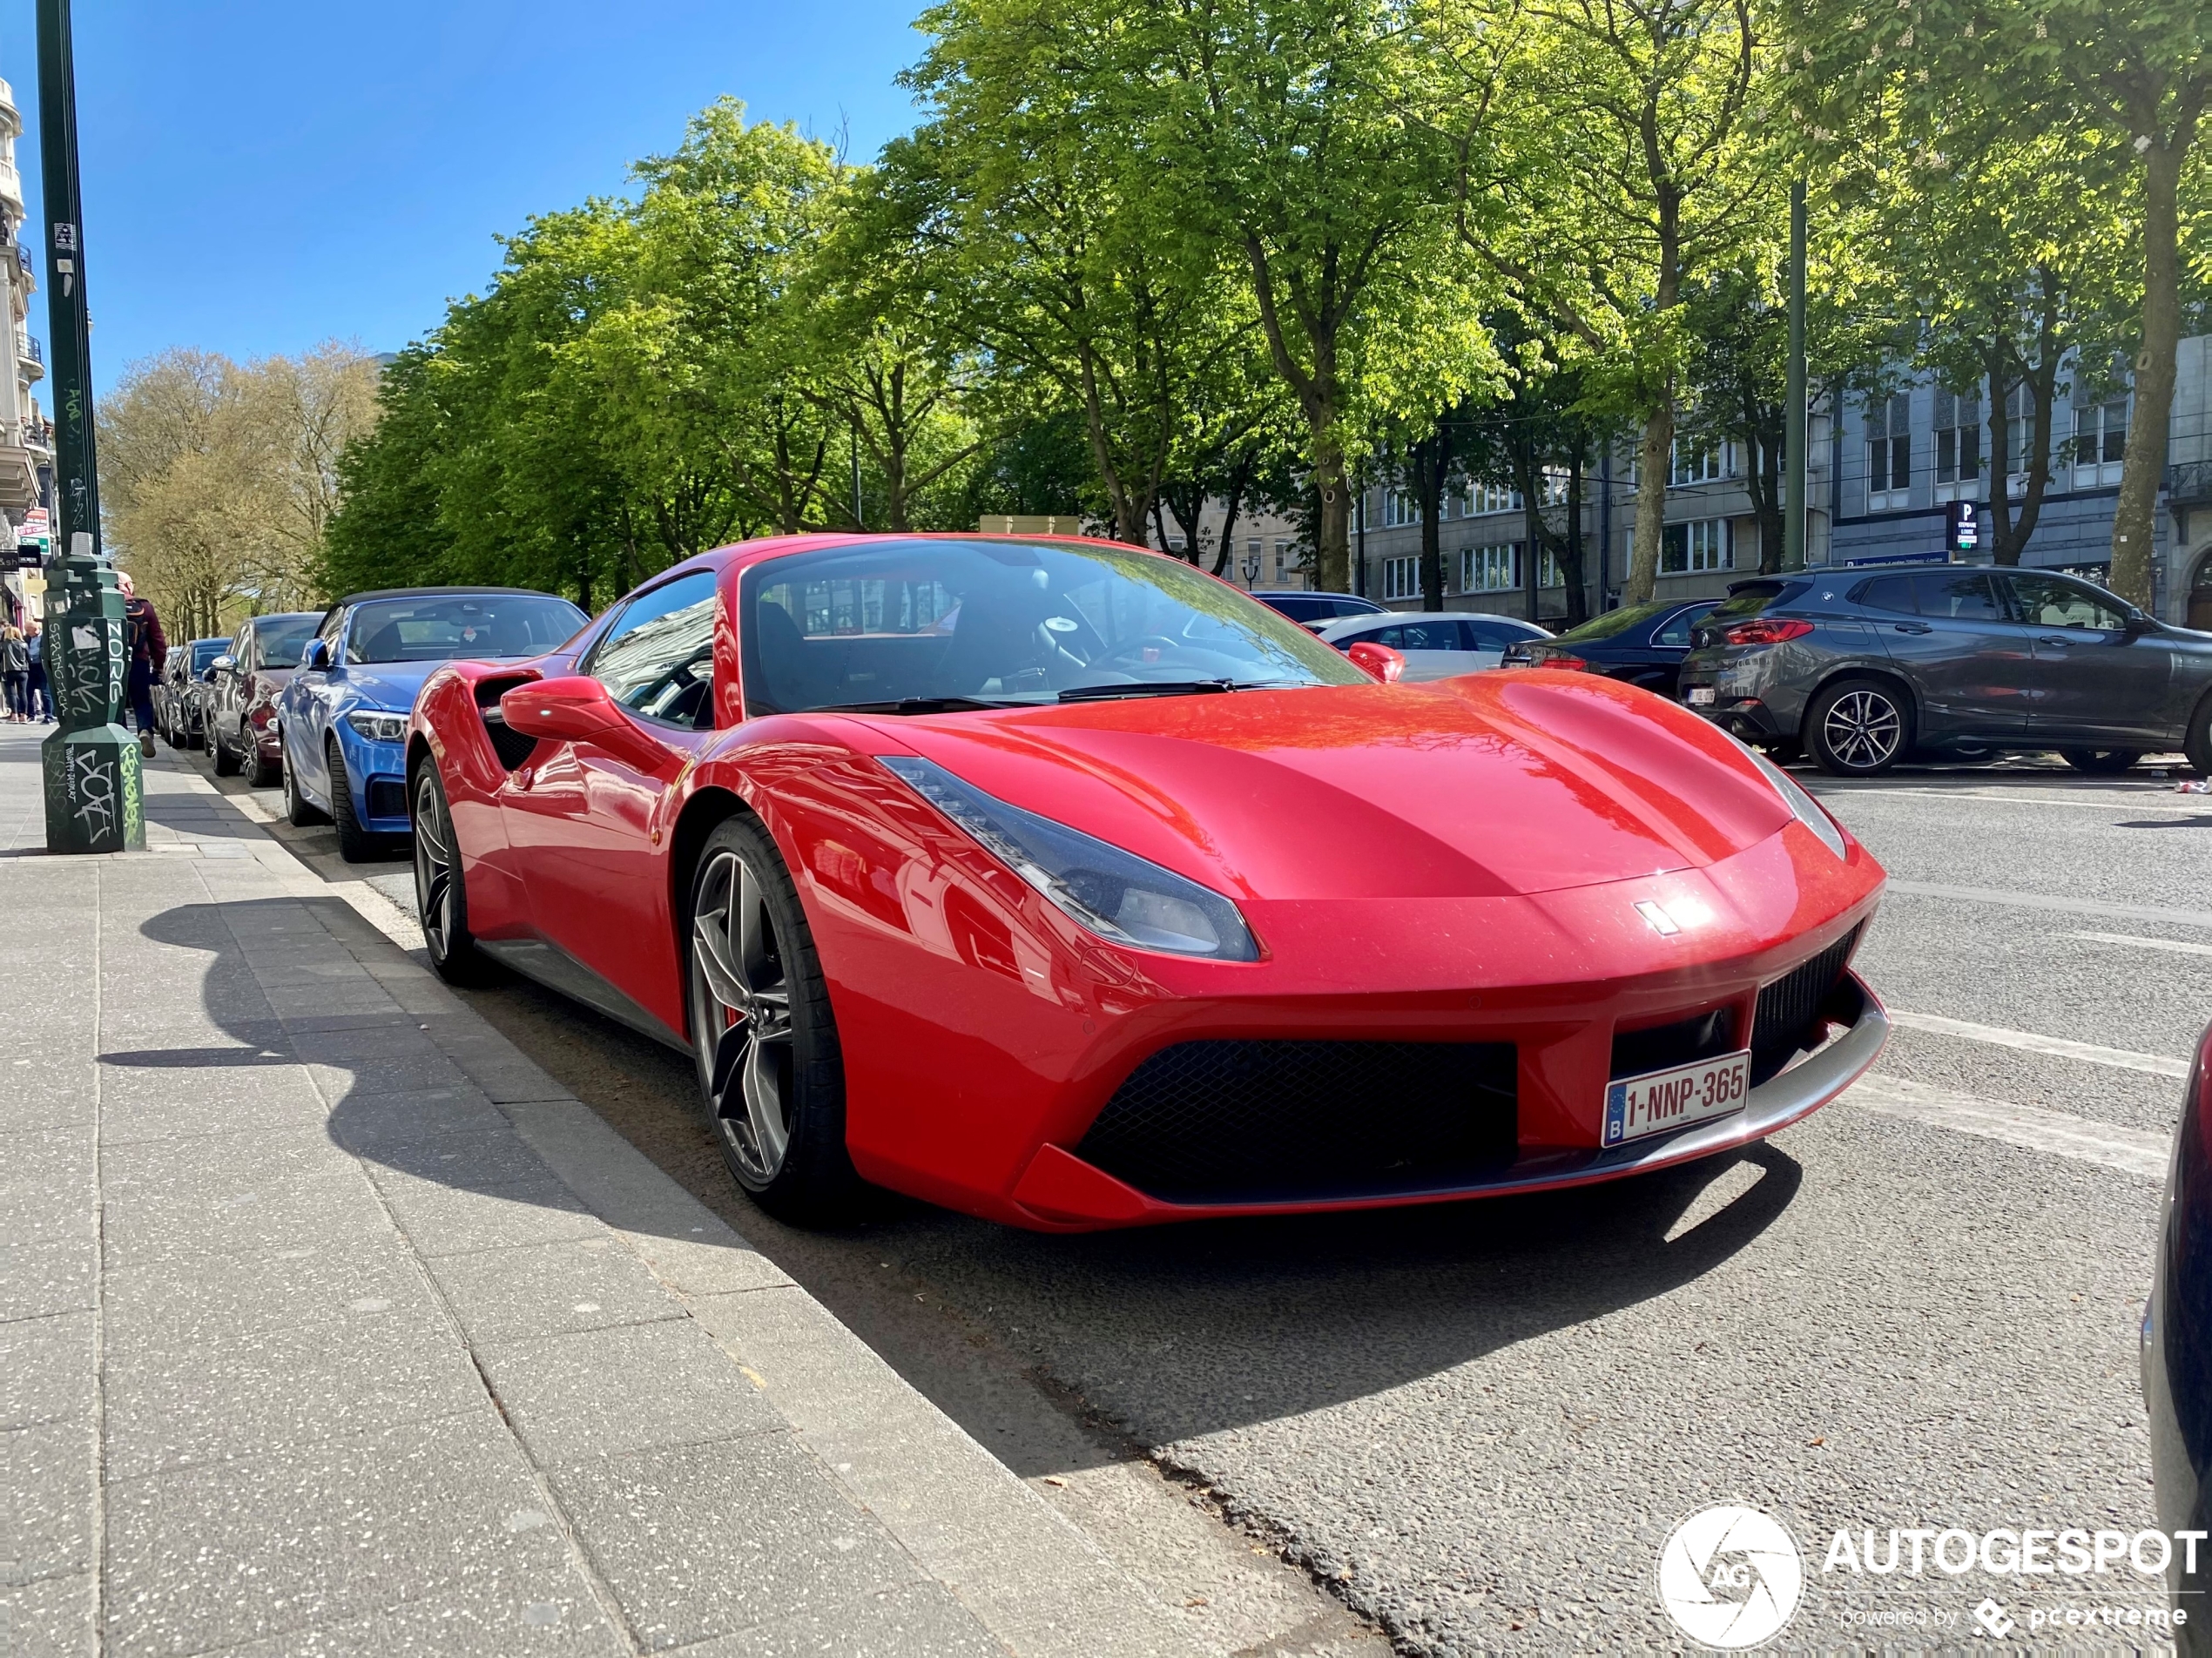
(1730, 1577)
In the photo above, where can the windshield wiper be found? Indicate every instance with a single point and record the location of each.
(919, 706)
(1166, 688)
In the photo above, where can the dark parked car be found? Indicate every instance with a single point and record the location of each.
(1317, 610)
(1642, 644)
(1865, 667)
(2177, 1351)
(176, 694)
(241, 696)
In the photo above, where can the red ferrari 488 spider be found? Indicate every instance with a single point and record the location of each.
(1059, 883)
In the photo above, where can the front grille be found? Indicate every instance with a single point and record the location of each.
(1790, 1008)
(386, 797)
(1666, 1047)
(1253, 1121)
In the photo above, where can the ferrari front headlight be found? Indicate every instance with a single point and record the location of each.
(1113, 893)
(1808, 809)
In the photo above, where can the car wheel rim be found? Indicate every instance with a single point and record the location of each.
(742, 1016)
(435, 861)
(1863, 729)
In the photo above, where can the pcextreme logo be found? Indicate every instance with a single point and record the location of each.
(1730, 1577)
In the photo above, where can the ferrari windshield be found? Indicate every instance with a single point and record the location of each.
(990, 622)
(439, 627)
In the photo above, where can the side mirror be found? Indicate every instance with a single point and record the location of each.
(2138, 624)
(316, 658)
(1378, 662)
(571, 708)
(220, 666)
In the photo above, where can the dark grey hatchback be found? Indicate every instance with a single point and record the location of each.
(1863, 668)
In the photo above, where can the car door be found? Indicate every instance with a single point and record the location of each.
(1435, 647)
(306, 705)
(582, 816)
(1969, 663)
(2093, 677)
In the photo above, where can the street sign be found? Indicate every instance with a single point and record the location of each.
(31, 554)
(1962, 527)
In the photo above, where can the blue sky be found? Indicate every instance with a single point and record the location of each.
(263, 174)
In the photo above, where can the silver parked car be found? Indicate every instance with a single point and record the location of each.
(1863, 668)
(1436, 643)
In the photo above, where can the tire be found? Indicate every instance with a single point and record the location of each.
(221, 758)
(2196, 740)
(297, 811)
(261, 773)
(1859, 727)
(441, 890)
(2100, 762)
(355, 844)
(771, 1077)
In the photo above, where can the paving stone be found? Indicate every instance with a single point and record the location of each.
(405, 1074)
(180, 1396)
(603, 1392)
(710, 1540)
(249, 1549)
(165, 1197)
(55, 1276)
(48, 1368)
(442, 1219)
(46, 1089)
(372, 1124)
(565, 1622)
(235, 1092)
(551, 1288)
(918, 1620)
(51, 1617)
(49, 1475)
(48, 1188)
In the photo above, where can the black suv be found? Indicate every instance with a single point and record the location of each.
(1866, 667)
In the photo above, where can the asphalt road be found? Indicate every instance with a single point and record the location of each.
(1474, 1426)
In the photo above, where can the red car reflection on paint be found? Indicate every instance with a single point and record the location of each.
(1054, 881)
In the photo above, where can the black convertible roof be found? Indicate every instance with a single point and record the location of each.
(431, 592)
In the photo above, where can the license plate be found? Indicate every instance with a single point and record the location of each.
(1658, 1100)
(1699, 696)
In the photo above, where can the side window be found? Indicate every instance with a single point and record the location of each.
(2052, 601)
(1889, 593)
(1395, 637)
(656, 659)
(1429, 635)
(1961, 598)
(332, 625)
(1675, 630)
(243, 647)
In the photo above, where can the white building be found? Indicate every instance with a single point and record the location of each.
(26, 439)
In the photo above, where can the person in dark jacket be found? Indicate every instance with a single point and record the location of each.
(36, 692)
(14, 672)
(149, 648)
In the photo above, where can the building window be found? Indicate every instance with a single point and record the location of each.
(1399, 509)
(1489, 497)
(2100, 442)
(1699, 466)
(1402, 577)
(1549, 571)
(1701, 544)
(1958, 446)
(1889, 452)
(1490, 569)
(1282, 557)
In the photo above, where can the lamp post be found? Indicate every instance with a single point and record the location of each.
(1794, 421)
(94, 795)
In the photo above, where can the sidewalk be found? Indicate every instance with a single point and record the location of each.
(329, 1325)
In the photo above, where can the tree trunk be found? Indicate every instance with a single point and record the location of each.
(1578, 600)
(1431, 458)
(1332, 524)
(2135, 523)
(2011, 534)
(1655, 461)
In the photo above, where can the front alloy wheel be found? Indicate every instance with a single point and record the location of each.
(766, 1043)
(441, 893)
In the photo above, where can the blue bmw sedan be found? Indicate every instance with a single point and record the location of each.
(343, 718)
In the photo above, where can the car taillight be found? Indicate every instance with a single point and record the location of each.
(1561, 659)
(1762, 632)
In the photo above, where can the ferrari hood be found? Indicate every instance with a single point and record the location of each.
(1483, 785)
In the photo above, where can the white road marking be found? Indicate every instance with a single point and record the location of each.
(2174, 945)
(2122, 1058)
(2149, 799)
(2030, 1127)
(2047, 901)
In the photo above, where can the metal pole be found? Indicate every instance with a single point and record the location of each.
(859, 522)
(1359, 584)
(1794, 441)
(94, 795)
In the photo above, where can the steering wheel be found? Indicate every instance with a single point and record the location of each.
(1150, 642)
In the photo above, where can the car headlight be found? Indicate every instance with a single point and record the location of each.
(1808, 809)
(378, 728)
(1113, 893)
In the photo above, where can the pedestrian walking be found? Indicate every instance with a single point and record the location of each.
(15, 673)
(36, 691)
(149, 648)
